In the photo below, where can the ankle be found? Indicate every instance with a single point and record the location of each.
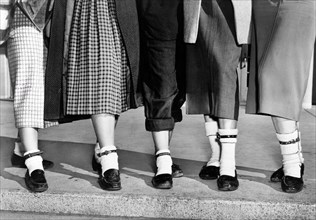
(108, 158)
(163, 162)
(33, 161)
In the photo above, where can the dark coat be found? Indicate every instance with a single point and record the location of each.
(55, 85)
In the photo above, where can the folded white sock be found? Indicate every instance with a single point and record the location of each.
(163, 163)
(290, 145)
(34, 163)
(109, 161)
(227, 162)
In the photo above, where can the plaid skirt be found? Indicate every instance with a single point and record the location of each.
(27, 56)
(97, 63)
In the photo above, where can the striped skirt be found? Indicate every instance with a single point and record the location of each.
(97, 67)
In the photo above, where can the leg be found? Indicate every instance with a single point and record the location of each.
(27, 60)
(180, 98)
(34, 177)
(104, 126)
(228, 137)
(291, 173)
(159, 23)
(211, 169)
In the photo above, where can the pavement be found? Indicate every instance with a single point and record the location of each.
(73, 187)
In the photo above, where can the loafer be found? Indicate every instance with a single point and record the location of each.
(18, 161)
(209, 172)
(227, 183)
(277, 175)
(291, 184)
(110, 180)
(36, 182)
(162, 181)
(176, 171)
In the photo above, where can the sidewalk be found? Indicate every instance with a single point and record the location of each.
(73, 187)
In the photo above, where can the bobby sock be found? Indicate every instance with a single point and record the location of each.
(290, 145)
(163, 162)
(228, 139)
(109, 161)
(211, 129)
(34, 163)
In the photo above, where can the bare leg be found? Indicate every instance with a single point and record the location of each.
(104, 126)
(161, 140)
(29, 138)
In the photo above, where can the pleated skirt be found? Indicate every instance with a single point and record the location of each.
(98, 67)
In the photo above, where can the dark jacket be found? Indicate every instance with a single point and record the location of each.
(55, 80)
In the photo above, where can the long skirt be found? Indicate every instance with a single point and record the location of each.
(212, 82)
(27, 62)
(282, 46)
(98, 65)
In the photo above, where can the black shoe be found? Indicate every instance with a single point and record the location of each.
(209, 172)
(95, 165)
(176, 171)
(36, 182)
(227, 183)
(291, 184)
(18, 161)
(110, 180)
(277, 175)
(162, 181)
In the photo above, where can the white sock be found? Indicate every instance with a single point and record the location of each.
(163, 163)
(18, 148)
(227, 162)
(96, 152)
(211, 129)
(291, 152)
(109, 161)
(34, 163)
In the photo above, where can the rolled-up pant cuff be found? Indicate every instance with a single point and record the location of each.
(159, 124)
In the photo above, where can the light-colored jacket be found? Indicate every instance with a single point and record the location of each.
(242, 11)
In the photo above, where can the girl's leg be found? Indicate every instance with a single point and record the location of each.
(34, 177)
(104, 126)
(211, 169)
(163, 177)
(227, 133)
(97, 145)
(211, 129)
(293, 162)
